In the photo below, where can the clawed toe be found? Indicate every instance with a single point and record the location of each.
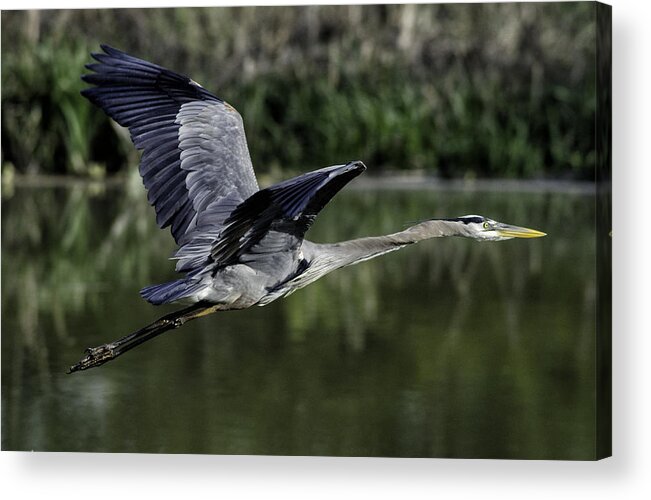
(95, 356)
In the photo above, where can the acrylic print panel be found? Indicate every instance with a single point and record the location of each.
(462, 347)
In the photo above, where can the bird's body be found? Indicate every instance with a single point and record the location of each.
(238, 245)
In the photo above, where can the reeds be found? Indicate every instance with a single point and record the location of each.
(453, 90)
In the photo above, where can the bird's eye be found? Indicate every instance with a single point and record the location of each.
(486, 225)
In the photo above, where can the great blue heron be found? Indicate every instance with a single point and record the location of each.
(239, 246)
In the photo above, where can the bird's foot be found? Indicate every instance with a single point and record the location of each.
(95, 356)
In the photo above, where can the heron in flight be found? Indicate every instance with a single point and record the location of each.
(238, 245)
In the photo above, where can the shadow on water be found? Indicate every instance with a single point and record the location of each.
(450, 348)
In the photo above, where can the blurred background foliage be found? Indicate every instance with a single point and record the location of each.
(491, 90)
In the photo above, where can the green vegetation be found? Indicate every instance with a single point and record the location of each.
(492, 90)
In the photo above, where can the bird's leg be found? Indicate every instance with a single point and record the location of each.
(96, 356)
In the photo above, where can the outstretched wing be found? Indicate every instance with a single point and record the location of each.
(195, 157)
(270, 221)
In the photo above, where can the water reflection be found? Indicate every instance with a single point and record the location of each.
(450, 348)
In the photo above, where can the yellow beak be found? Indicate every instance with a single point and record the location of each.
(518, 232)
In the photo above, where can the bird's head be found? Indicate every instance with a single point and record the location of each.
(483, 228)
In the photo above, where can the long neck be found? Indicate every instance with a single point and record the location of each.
(335, 255)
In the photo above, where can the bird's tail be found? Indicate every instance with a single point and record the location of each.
(171, 291)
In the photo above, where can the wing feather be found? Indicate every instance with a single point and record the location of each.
(288, 207)
(272, 220)
(194, 146)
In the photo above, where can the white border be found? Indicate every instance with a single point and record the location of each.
(626, 475)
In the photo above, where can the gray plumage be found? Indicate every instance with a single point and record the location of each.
(239, 246)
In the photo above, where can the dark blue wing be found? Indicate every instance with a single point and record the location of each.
(270, 220)
(195, 154)
(289, 207)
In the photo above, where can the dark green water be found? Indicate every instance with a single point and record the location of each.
(450, 348)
